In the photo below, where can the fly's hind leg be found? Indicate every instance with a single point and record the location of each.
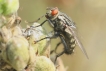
(59, 55)
(57, 47)
(65, 47)
(54, 50)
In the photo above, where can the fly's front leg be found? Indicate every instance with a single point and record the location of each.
(49, 37)
(41, 23)
(39, 18)
(35, 20)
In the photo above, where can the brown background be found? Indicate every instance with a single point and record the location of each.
(89, 16)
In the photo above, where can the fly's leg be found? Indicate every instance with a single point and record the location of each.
(57, 47)
(64, 42)
(59, 55)
(42, 39)
(41, 24)
(65, 48)
(39, 18)
(35, 20)
(49, 37)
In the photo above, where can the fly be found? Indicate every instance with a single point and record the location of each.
(64, 28)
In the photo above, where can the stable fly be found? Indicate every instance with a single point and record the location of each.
(64, 28)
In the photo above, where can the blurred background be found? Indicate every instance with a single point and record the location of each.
(89, 16)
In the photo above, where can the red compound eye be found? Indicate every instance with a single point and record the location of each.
(54, 12)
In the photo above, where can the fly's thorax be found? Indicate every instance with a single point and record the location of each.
(60, 27)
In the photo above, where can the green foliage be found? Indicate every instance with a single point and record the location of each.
(8, 7)
(16, 53)
(44, 64)
(15, 49)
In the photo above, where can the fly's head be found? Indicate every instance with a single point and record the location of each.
(52, 12)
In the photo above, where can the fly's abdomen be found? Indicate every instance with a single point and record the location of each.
(71, 43)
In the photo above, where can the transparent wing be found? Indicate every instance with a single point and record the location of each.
(70, 30)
